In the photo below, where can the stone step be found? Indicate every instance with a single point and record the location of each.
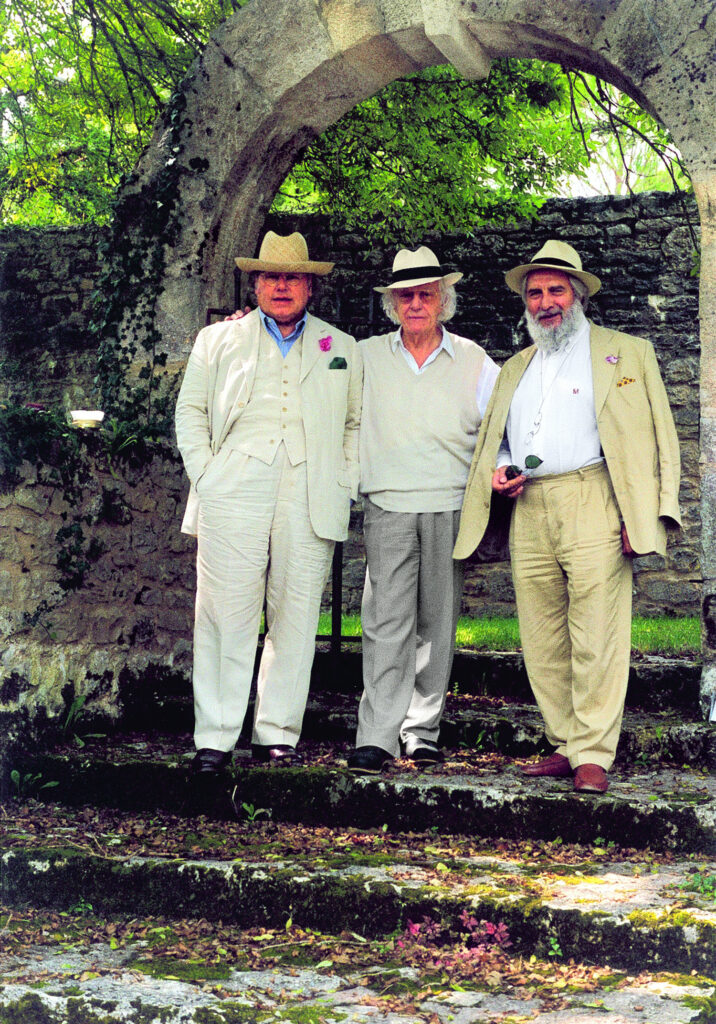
(633, 913)
(97, 988)
(653, 804)
(655, 684)
(517, 730)
(98, 985)
(483, 724)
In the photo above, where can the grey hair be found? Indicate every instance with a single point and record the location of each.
(448, 303)
(578, 287)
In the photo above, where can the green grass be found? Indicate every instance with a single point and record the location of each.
(667, 636)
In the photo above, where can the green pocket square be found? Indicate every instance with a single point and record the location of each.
(338, 363)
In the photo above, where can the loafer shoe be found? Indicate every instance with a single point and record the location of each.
(208, 760)
(368, 760)
(590, 778)
(426, 755)
(281, 755)
(556, 766)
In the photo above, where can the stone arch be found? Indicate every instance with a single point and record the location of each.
(280, 71)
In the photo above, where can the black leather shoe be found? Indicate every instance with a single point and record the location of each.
(368, 760)
(208, 760)
(280, 755)
(426, 756)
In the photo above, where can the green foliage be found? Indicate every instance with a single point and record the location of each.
(38, 436)
(701, 882)
(253, 813)
(80, 88)
(26, 783)
(628, 150)
(434, 152)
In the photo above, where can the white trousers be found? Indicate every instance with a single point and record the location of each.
(410, 606)
(255, 539)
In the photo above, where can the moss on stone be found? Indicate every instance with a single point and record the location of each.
(681, 919)
(181, 970)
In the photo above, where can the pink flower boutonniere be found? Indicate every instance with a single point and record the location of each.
(325, 343)
(612, 359)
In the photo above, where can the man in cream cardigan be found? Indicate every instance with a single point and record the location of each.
(425, 391)
(587, 404)
(267, 424)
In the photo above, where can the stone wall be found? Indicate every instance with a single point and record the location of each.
(134, 608)
(46, 283)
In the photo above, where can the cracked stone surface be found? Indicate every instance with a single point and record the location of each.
(99, 977)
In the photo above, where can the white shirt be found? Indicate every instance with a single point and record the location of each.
(487, 378)
(552, 412)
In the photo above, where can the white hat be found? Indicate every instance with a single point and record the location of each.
(284, 254)
(419, 267)
(553, 255)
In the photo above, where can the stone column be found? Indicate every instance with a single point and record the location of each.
(705, 190)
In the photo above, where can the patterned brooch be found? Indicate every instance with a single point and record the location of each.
(325, 343)
(611, 359)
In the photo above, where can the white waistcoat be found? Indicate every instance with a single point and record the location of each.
(273, 413)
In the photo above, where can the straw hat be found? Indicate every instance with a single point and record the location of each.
(419, 267)
(284, 254)
(553, 255)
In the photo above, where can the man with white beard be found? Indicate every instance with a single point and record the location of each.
(587, 456)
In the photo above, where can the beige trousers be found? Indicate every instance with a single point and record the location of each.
(255, 539)
(573, 587)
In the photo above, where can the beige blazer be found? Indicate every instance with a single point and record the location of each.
(217, 385)
(638, 438)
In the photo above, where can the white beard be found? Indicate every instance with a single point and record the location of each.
(552, 339)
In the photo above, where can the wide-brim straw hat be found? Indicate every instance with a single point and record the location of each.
(553, 255)
(284, 254)
(419, 267)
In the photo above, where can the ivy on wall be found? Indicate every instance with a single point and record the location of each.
(129, 381)
(137, 397)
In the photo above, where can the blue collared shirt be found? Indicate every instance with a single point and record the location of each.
(283, 343)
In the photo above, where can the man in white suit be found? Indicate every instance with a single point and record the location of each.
(267, 424)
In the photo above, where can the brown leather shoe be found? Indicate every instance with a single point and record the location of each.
(555, 766)
(590, 778)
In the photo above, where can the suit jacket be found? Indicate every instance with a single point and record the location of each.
(217, 386)
(637, 435)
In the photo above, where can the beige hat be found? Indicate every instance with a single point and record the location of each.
(419, 267)
(553, 255)
(284, 254)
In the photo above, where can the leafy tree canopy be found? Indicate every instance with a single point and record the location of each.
(81, 84)
(435, 152)
(82, 81)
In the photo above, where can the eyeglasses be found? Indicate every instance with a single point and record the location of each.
(290, 279)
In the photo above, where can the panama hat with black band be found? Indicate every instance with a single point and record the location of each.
(411, 269)
(553, 255)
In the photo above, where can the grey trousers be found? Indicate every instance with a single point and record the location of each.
(410, 606)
